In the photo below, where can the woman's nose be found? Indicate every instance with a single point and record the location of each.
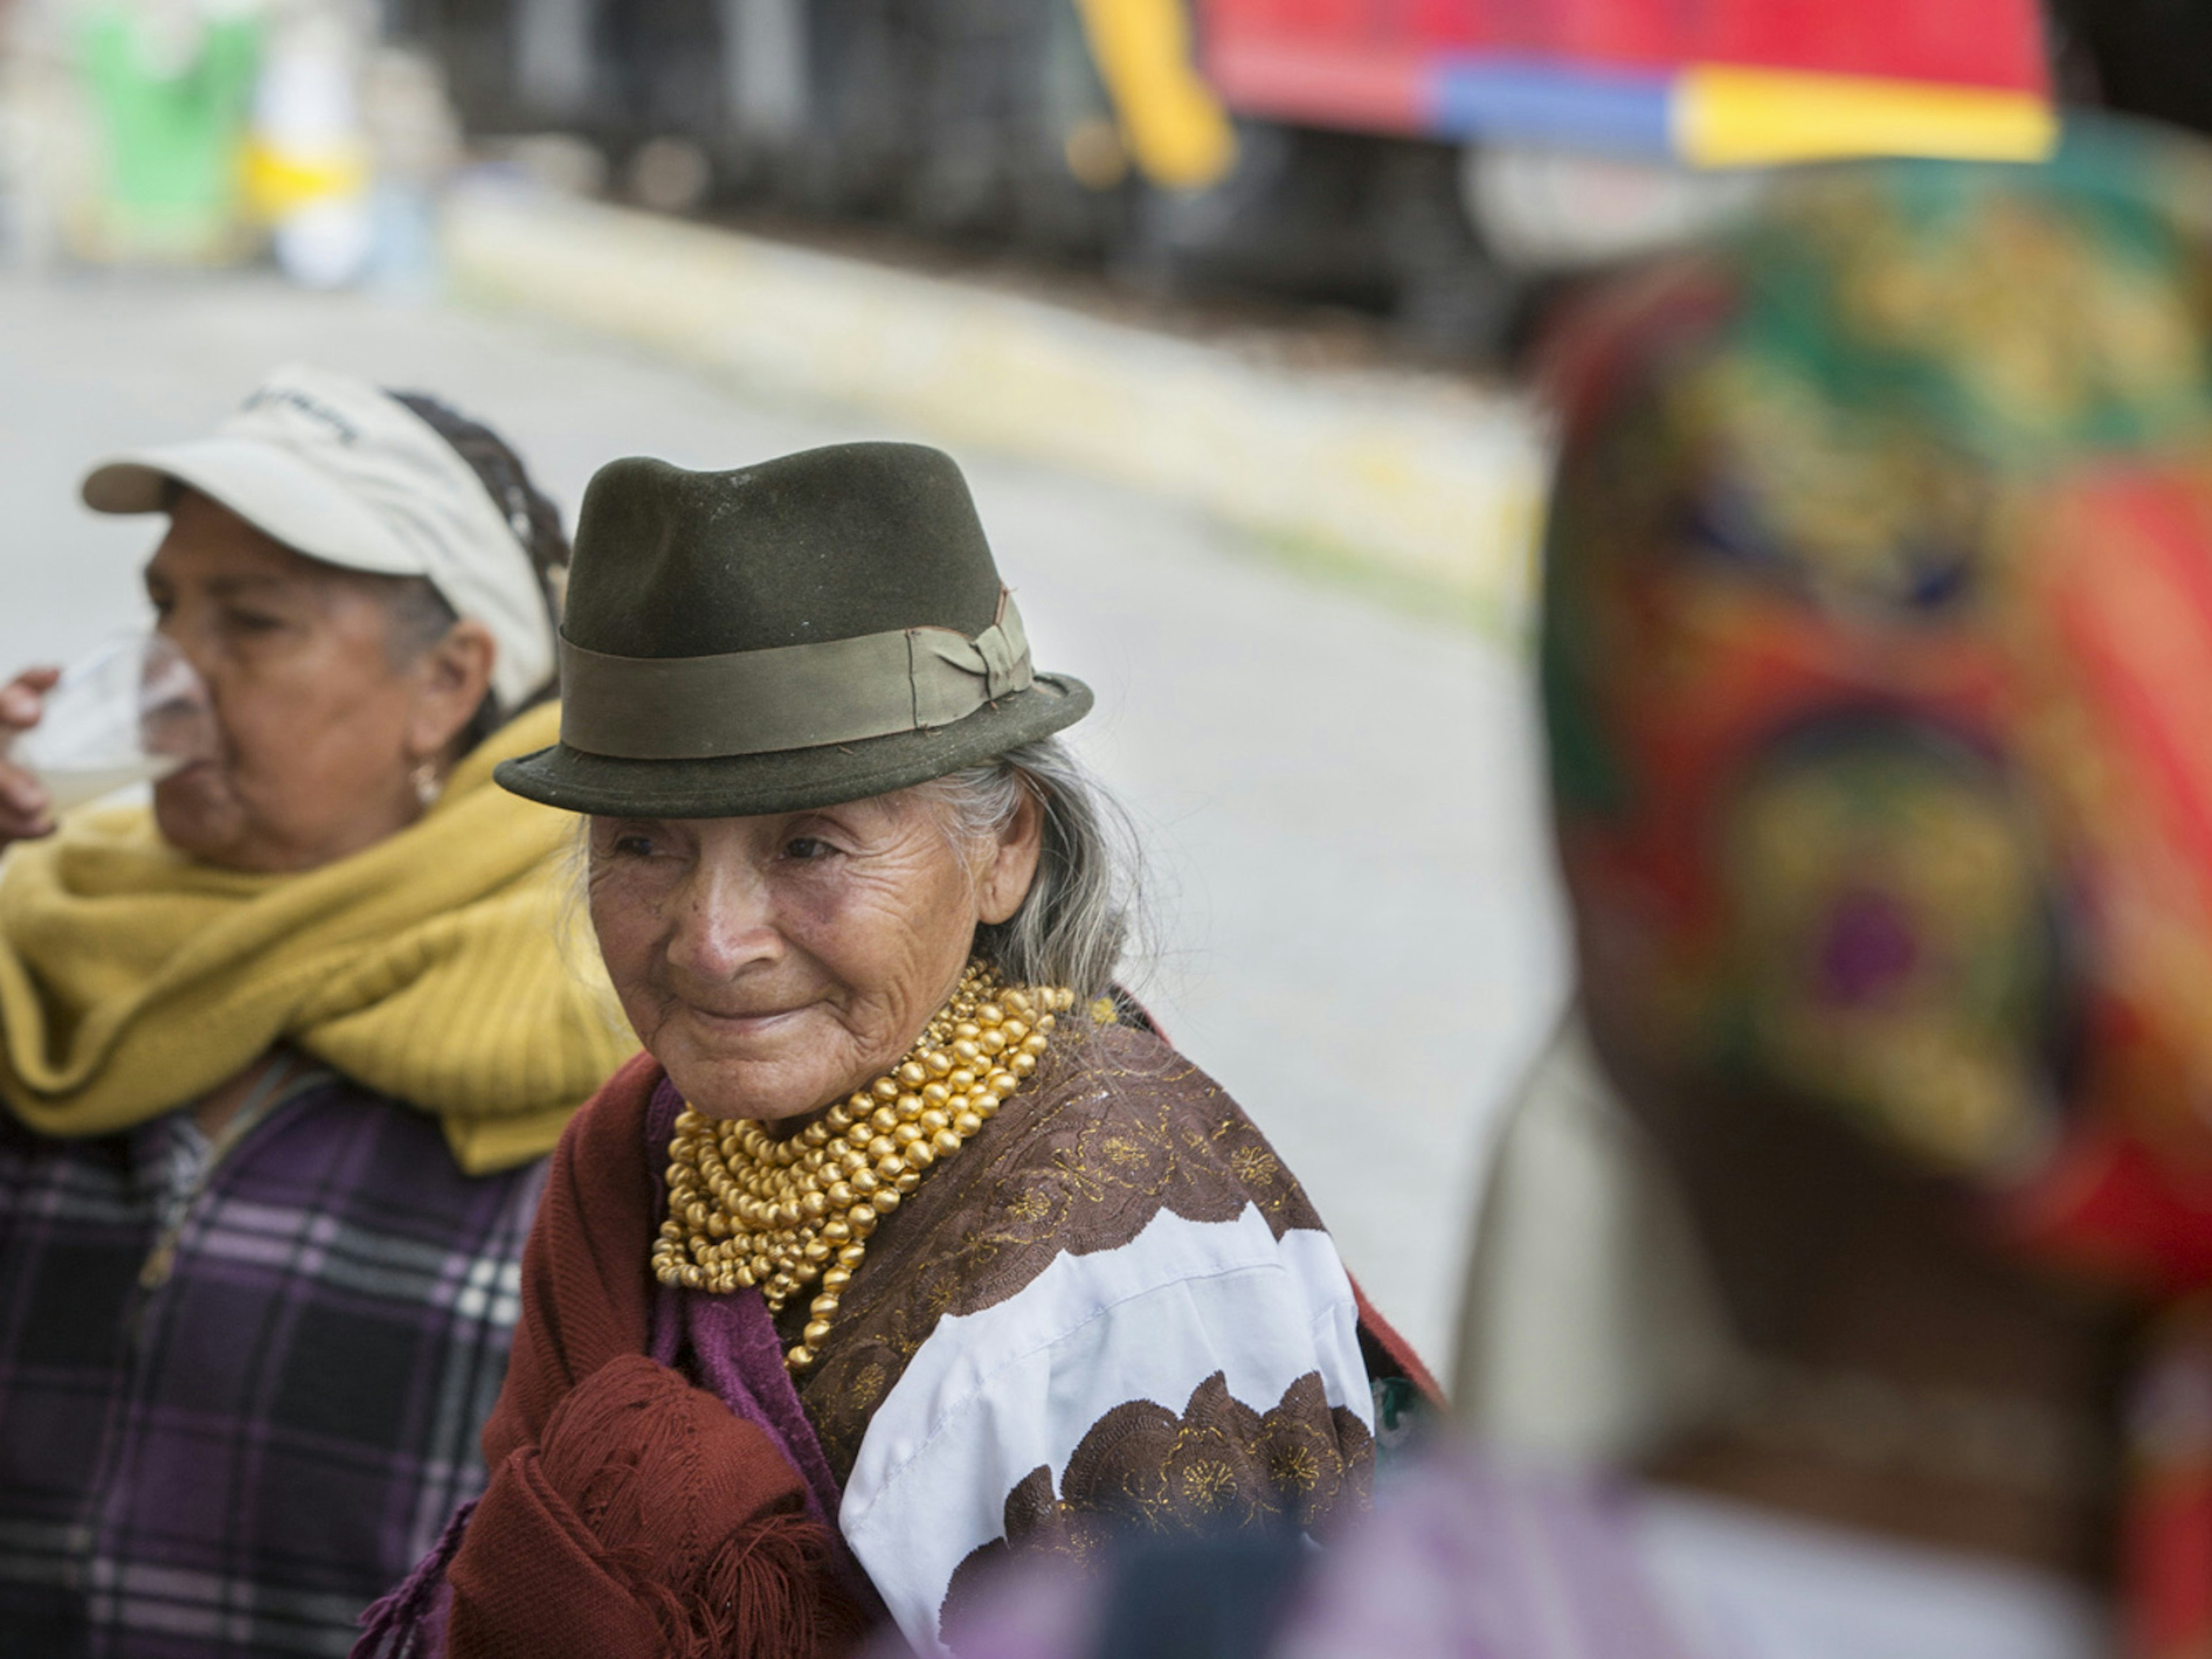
(726, 924)
(192, 641)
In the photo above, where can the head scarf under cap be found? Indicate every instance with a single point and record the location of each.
(1878, 664)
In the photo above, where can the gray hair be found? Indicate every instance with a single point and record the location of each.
(1085, 905)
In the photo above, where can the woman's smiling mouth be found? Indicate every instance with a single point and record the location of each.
(743, 1025)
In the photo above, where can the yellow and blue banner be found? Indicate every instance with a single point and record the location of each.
(1727, 83)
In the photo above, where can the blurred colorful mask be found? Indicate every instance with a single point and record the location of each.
(1877, 656)
(1878, 662)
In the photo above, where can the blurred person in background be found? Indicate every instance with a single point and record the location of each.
(1877, 643)
(1878, 635)
(957, 1259)
(283, 1053)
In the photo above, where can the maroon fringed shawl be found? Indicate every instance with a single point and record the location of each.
(630, 1515)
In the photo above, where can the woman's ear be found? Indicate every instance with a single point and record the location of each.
(453, 677)
(1010, 867)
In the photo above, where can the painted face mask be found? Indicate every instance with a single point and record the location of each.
(1877, 657)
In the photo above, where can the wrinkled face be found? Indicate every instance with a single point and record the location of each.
(773, 964)
(320, 731)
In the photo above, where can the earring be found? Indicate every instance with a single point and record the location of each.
(428, 785)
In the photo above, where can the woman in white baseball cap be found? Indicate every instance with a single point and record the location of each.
(281, 1055)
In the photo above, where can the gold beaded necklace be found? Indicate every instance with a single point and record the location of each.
(745, 1208)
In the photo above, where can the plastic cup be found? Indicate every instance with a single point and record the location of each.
(132, 712)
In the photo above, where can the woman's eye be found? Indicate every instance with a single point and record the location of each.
(251, 622)
(632, 846)
(807, 848)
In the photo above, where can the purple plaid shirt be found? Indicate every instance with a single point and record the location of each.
(228, 1423)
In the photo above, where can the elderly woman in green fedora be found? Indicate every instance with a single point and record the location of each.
(908, 1244)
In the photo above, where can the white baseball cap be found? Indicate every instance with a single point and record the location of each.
(345, 473)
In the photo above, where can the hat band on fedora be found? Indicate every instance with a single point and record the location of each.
(787, 696)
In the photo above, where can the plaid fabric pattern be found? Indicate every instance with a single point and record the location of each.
(229, 1439)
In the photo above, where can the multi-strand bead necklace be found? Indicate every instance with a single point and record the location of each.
(745, 1208)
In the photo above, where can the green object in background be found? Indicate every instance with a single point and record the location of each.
(171, 136)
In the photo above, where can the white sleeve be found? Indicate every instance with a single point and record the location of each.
(993, 1396)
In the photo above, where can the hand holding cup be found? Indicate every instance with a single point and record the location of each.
(132, 712)
(25, 809)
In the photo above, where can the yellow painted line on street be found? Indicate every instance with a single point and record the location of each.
(1420, 478)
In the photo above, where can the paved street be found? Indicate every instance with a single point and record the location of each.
(1357, 931)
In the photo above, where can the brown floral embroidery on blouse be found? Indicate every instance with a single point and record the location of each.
(1118, 1127)
(1221, 1466)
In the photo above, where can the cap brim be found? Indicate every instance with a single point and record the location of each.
(796, 780)
(272, 490)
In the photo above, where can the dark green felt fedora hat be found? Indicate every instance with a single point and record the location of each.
(820, 628)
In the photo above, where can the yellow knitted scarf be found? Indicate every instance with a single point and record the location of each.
(429, 967)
